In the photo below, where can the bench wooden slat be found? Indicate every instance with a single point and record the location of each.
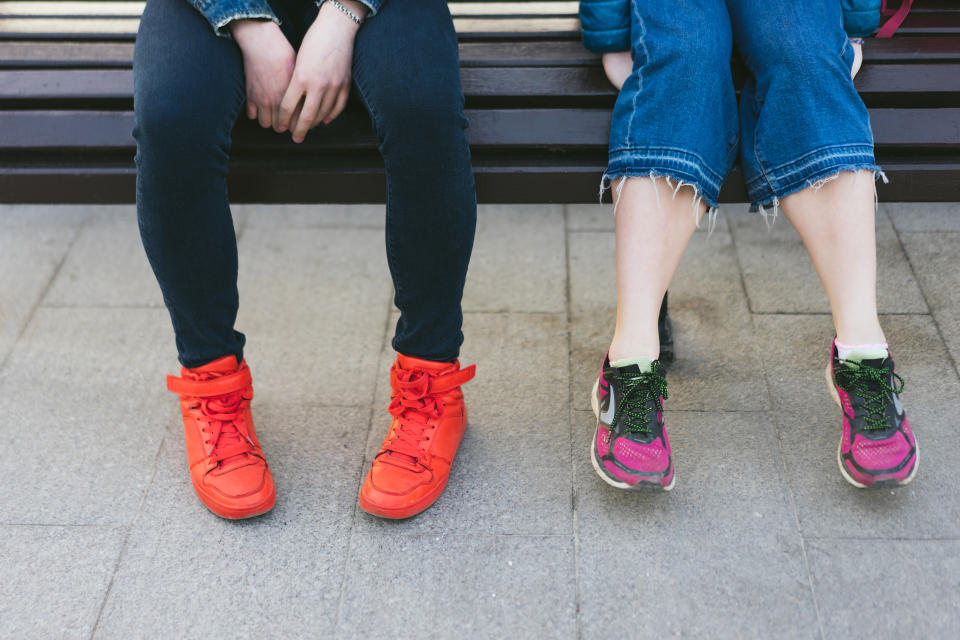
(564, 53)
(498, 182)
(917, 85)
(522, 27)
(929, 130)
(120, 8)
(126, 28)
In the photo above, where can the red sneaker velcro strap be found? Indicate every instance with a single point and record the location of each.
(210, 388)
(440, 384)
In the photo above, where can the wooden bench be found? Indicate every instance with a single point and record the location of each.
(538, 103)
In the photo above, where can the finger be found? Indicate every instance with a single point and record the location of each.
(251, 109)
(296, 116)
(326, 105)
(288, 104)
(340, 105)
(307, 116)
(264, 117)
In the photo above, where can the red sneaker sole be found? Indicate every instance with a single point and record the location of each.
(408, 511)
(240, 514)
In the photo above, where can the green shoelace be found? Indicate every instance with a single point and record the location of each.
(638, 389)
(874, 386)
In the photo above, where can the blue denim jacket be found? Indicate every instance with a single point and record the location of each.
(606, 23)
(220, 13)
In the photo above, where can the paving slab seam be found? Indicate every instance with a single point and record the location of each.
(384, 343)
(89, 525)
(103, 306)
(827, 313)
(743, 281)
(783, 463)
(883, 538)
(570, 421)
(126, 539)
(480, 312)
(926, 301)
(43, 294)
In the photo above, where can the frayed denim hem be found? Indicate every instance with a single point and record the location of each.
(769, 207)
(673, 184)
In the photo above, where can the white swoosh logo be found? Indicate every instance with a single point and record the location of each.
(607, 416)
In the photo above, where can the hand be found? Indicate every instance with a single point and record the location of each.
(320, 85)
(268, 62)
(857, 58)
(618, 66)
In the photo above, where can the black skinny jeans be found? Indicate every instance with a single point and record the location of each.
(189, 92)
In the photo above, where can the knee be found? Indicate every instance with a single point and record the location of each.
(164, 123)
(422, 112)
(703, 54)
(785, 58)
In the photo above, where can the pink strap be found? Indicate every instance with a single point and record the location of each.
(896, 18)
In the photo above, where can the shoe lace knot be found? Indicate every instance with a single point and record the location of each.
(874, 385)
(638, 390)
(417, 401)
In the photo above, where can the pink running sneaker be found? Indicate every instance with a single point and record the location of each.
(877, 446)
(630, 449)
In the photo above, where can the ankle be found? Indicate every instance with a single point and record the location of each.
(624, 349)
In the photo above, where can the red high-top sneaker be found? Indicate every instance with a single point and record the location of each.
(227, 466)
(429, 418)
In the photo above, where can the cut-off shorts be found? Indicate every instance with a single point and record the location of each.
(799, 122)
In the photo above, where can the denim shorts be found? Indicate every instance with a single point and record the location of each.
(799, 123)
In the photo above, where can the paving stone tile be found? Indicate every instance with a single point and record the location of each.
(599, 217)
(716, 365)
(54, 579)
(33, 242)
(84, 406)
(924, 216)
(451, 585)
(300, 216)
(720, 554)
(106, 265)
(518, 261)
(809, 424)
(887, 589)
(512, 472)
(934, 257)
(280, 574)
(313, 305)
(780, 277)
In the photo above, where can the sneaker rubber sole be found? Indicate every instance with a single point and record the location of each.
(642, 485)
(240, 514)
(843, 470)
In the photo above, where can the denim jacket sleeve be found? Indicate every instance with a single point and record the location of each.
(606, 25)
(220, 13)
(861, 17)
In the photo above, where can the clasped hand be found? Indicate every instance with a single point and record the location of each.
(296, 91)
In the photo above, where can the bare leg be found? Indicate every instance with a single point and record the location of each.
(653, 229)
(836, 223)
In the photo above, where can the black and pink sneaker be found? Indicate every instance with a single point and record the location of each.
(630, 448)
(877, 446)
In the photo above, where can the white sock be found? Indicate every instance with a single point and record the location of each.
(644, 363)
(858, 352)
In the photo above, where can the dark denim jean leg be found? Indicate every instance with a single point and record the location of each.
(184, 113)
(407, 72)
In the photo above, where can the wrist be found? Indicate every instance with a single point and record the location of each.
(246, 31)
(347, 16)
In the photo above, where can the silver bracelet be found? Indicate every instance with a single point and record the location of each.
(347, 12)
